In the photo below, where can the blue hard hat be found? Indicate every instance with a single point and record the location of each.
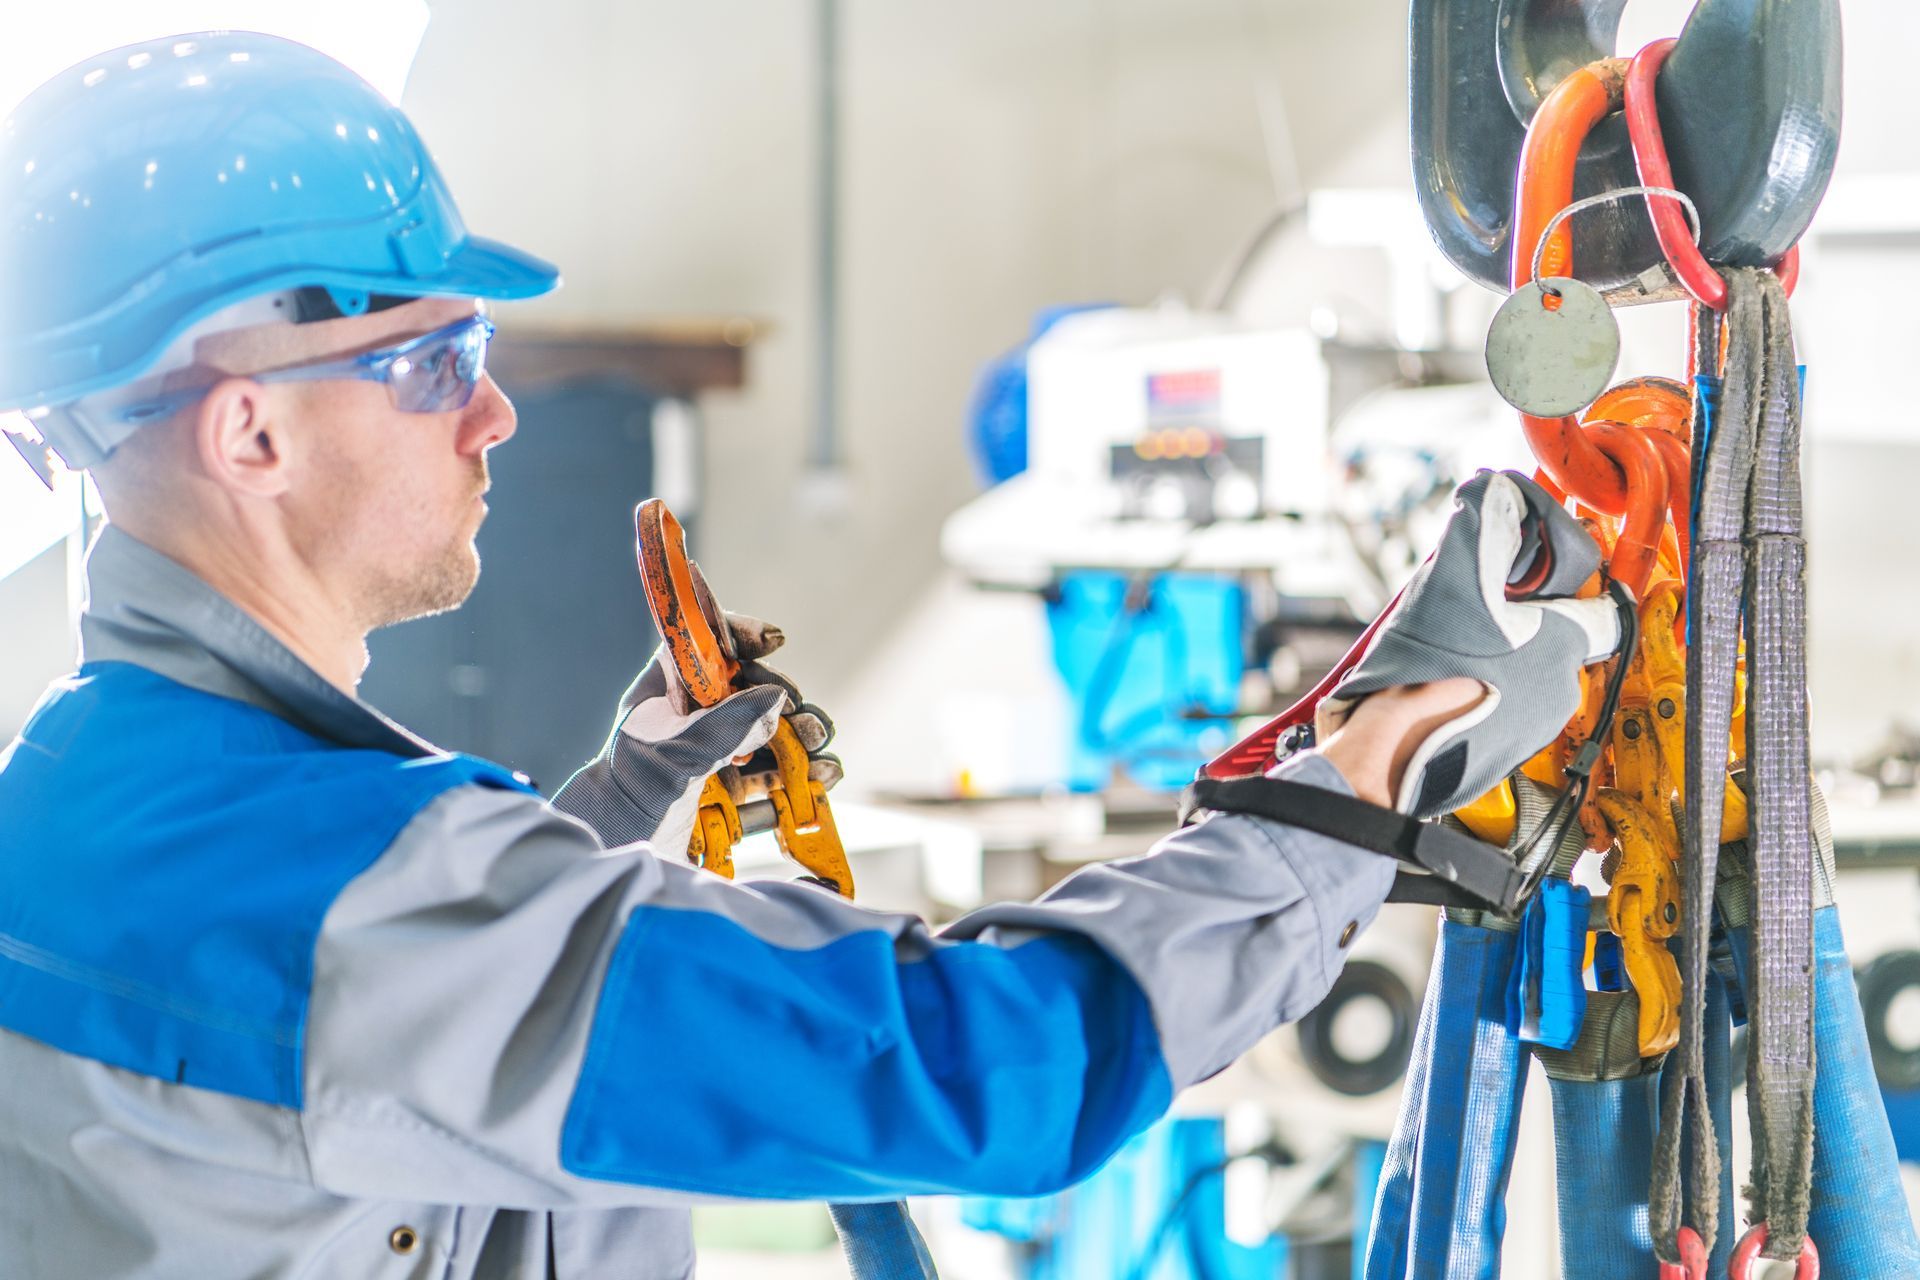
(151, 186)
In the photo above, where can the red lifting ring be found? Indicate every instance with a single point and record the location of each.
(1740, 1266)
(1693, 1258)
(1669, 224)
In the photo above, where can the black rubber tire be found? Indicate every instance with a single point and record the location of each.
(1881, 983)
(1360, 980)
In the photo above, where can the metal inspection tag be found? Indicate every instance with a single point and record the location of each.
(1552, 362)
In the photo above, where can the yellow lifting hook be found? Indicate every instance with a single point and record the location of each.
(1643, 908)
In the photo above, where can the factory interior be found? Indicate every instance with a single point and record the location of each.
(1074, 385)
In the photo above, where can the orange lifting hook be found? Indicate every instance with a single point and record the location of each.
(683, 609)
(1613, 467)
(1579, 102)
(700, 646)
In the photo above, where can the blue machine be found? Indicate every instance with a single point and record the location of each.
(997, 412)
(1152, 666)
(1157, 1211)
(1152, 662)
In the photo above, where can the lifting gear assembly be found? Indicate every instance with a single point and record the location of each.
(880, 1240)
(1692, 169)
(694, 632)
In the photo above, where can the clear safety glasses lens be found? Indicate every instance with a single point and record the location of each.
(434, 373)
(439, 374)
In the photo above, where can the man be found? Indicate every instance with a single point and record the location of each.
(285, 991)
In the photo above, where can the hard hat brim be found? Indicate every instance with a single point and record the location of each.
(483, 268)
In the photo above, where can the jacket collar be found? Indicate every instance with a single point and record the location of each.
(149, 610)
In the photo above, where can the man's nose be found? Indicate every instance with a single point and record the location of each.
(489, 418)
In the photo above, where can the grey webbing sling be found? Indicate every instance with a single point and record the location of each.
(1748, 568)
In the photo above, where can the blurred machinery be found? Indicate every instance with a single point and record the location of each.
(1210, 509)
(1173, 515)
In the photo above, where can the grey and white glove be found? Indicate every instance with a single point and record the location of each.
(646, 782)
(1454, 619)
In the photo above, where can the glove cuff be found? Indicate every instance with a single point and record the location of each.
(1438, 777)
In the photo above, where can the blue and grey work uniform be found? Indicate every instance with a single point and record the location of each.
(288, 992)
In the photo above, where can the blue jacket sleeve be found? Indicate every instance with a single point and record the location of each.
(607, 1027)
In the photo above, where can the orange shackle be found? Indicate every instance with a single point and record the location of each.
(1578, 103)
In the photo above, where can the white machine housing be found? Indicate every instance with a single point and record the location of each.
(1096, 380)
(1107, 387)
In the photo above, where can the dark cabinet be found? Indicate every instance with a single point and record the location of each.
(529, 671)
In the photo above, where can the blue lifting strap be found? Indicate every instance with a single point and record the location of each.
(1603, 1159)
(1859, 1216)
(1603, 1134)
(881, 1242)
(1718, 1063)
(1441, 1209)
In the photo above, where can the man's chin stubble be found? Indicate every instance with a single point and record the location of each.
(442, 589)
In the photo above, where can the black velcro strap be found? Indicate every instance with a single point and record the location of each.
(1462, 865)
(312, 302)
(1424, 890)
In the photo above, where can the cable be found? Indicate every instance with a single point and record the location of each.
(1573, 793)
(1142, 604)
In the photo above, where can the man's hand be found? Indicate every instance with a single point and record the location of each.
(1373, 746)
(753, 641)
(676, 744)
(1438, 742)
(750, 770)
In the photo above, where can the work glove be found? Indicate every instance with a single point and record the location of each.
(1454, 619)
(666, 745)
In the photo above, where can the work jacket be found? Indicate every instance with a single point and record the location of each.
(287, 991)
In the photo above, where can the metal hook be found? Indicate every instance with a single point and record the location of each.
(1749, 103)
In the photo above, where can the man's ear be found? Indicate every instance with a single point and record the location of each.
(240, 445)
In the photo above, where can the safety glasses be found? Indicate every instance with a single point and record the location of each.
(433, 373)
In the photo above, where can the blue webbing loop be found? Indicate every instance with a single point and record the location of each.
(1546, 998)
(1603, 1163)
(881, 1242)
(1603, 1202)
(1717, 1060)
(1860, 1218)
(1442, 1203)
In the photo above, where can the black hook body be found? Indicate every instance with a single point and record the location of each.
(1749, 102)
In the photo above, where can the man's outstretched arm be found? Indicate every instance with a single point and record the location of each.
(504, 1013)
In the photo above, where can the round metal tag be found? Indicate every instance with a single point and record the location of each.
(1549, 363)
